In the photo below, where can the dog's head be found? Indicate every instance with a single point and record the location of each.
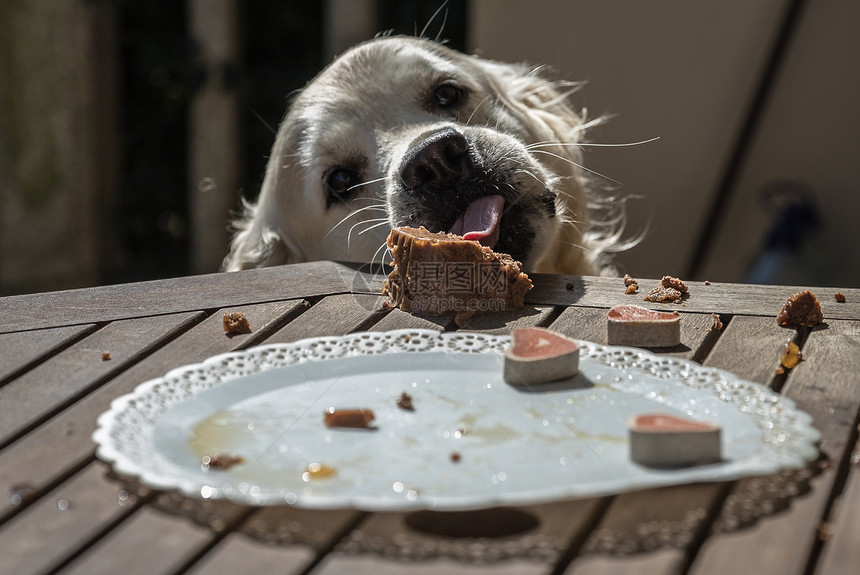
(404, 131)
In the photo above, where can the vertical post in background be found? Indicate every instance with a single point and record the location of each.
(348, 22)
(214, 130)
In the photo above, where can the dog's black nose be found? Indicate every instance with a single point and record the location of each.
(437, 161)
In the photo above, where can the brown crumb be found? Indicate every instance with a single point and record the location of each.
(386, 306)
(718, 323)
(780, 370)
(628, 281)
(405, 402)
(463, 317)
(632, 288)
(105, 356)
(569, 286)
(801, 309)
(707, 283)
(220, 461)
(674, 283)
(236, 322)
(456, 457)
(663, 294)
(839, 297)
(357, 418)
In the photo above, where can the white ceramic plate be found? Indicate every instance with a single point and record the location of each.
(513, 446)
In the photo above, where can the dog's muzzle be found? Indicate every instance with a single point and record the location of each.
(439, 165)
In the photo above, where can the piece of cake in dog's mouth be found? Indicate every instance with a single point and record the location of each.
(442, 273)
(538, 355)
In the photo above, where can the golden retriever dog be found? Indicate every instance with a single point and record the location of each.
(402, 131)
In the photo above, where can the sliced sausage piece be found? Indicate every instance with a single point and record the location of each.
(641, 327)
(538, 355)
(666, 440)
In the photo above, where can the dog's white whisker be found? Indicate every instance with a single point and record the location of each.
(367, 183)
(381, 222)
(355, 212)
(433, 17)
(530, 174)
(590, 144)
(580, 166)
(381, 251)
(475, 111)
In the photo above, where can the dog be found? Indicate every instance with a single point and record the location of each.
(403, 131)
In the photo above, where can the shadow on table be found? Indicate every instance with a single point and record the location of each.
(626, 524)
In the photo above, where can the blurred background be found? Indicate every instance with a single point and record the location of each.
(130, 130)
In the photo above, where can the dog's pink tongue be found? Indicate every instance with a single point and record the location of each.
(481, 221)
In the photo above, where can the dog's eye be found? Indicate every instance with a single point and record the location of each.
(340, 181)
(448, 95)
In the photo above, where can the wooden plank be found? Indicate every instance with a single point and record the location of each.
(285, 538)
(590, 324)
(673, 518)
(606, 292)
(369, 565)
(80, 368)
(241, 554)
(326, 278)
(660, 562)
(504, 322)
(44, 456)
(397, 319)
(204, 292)
(150, 541)
(61, 521)
(386, 540)
(841, 553)
(20, 350)
(824, 385)
(331, 316)
(722, 298)
(751, 347)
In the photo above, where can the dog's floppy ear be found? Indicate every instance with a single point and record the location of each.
(557, 129)
(260, 239)
(256, 243)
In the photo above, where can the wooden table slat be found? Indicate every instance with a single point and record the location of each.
(52, 391)
(61, 522)
(834, 404)
(23, 349)
(841, 553)
(77, 369)
(332, 316)
(203, 292)
(40, 458)
(212, 291)
(148, 542)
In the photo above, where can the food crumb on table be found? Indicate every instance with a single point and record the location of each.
(236, 323)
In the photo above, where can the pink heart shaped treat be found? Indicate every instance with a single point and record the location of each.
(666, 440)
(538, 355)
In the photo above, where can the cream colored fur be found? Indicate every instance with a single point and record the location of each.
(366, 109)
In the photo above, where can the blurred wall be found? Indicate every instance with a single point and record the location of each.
(58, 143)
(687, 72)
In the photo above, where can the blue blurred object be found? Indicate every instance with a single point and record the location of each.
(784, 257)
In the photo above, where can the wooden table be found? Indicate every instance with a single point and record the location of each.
(62, 510)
